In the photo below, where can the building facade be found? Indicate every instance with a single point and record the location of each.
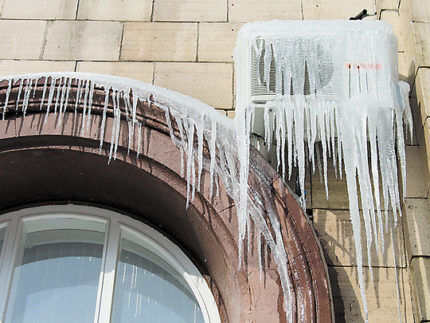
(187, 46)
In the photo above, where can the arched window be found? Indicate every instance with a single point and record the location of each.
(83, 264)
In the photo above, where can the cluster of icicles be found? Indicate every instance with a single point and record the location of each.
(368, 112)
(335, 96)
(198, 124)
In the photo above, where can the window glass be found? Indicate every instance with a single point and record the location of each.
(148, 289)
(57, 271)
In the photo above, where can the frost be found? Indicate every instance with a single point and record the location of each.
(334, 97)
(329, 90)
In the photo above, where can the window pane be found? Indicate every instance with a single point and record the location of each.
(57, 272)
(148, 289)
(2, 235)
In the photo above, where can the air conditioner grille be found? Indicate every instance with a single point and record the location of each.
(324, 75)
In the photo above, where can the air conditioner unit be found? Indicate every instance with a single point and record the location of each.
(330, 61)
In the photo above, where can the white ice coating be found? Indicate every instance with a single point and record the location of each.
(197, 123)
(334, 93)
(360, 104)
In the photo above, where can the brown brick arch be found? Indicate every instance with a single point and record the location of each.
(43, 163)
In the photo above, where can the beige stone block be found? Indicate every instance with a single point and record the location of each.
(208, 82)
(126, 10)
(134, 70)
(159, 41)
(421, 32)
(406, 68)
(420, 10)
(417, 225)
(255, 10)
(386, 4)
(334, 230)
(40, 9)
(217, 41)
(21, 39)
(332, 9)
(393, 18)
(416, 185)
(405, 10)
(338, 193)
(12, 67)
(231, 114)
(337, 190)
(422, 86)
(190, 10)
(420, 272)
(426, 132)
(381, 295)
(83, 40)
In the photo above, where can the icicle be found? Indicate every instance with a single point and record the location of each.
(44, 92)
(117, 120)
(57, 99)
(84, 107)
(27, 92)
(103, 125)
(397, 275)
(299, 117)
(112, 138)
(200, 128)
(90, 105)
(212, 148)
(190, 162)
(66, 102)
(139, 138)
(50, 97)
(6, 101)
(19, 94)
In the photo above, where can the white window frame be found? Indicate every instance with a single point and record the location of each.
(115, 223)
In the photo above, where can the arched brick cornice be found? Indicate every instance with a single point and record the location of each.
(43, 161)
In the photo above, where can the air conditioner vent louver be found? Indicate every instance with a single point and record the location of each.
(261, 91)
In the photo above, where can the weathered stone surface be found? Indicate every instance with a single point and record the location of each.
(231, 114)
(125, 10)
(381, 295)
(422, 86)
(332, 9)
(41, 9)
(335, 232)
(416, 185)
(159, 41)
(217, 41)
(387, 4)
(393, 18)
(210, 83)
(338, 193)
(406, 68)
(134, 70)
(83, 40)
(21, 39)
(422, 43)
(420, 270)
(11, 67)
(190, 10)
(255, 10)
(417, 225)
(420, 10)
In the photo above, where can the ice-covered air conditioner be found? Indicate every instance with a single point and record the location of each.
(331, 61)
(328, 91)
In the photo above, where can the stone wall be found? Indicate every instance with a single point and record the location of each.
(186, 45)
